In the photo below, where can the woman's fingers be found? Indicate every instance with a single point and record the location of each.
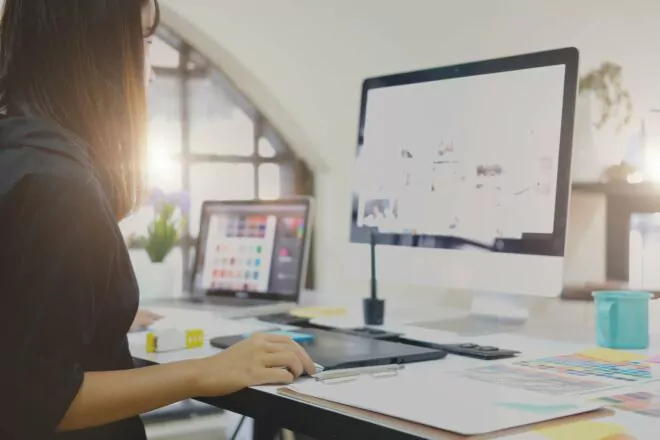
(277, 376)
(284, 359)
(291, 346)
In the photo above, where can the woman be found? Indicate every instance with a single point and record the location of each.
(72, 136)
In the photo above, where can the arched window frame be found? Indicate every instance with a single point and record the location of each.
(295, 177)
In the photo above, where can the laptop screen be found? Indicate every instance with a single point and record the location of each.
(252, 247)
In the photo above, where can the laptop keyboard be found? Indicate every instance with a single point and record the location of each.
(283, 319)
(234, 302)
(228, 307)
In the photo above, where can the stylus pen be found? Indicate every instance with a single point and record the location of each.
(374, 286)
(352, 372)
(317, 368)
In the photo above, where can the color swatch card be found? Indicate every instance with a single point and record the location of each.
(586, 373)
(611, 355)
(579, 365)
(598, 429)
(644, 403)
(620, 425)
(533, 380)
(654, 359)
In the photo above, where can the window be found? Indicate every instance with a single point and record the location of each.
(164, 55)
(266, 148)
(218, 181)
(218, 126)
(208, 140)
(269, 181)
(165, 134)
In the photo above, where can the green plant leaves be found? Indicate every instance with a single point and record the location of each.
(163, 232)
(605, 83)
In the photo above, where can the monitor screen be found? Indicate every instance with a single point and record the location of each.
(251, 248)
(469, 166)
(464, 162)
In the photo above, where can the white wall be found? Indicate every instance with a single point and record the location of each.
(302, 62)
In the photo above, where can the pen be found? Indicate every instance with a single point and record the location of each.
(374, 283)
(350, 372)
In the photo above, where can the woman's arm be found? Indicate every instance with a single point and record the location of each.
(106, 397)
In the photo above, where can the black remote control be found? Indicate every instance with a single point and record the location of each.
(284, 319)
(467, 349)
(480, 352)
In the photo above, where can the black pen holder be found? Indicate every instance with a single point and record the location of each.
(374, 311)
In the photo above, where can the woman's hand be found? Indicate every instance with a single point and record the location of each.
(144, 318)
(259, 360)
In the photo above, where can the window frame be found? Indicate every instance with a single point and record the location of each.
(291, 167)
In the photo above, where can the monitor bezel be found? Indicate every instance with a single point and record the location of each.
(207, 206)
(568, 57)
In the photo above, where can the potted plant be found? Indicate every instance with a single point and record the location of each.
(163, 233)
(604, 84)
(604, 109)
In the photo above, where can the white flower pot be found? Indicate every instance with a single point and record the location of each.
(155, 280)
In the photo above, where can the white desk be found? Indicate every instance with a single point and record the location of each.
(559, 328)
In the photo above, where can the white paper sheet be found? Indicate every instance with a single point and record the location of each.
(446, 402)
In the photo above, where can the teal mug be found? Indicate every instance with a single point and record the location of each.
(622, 319)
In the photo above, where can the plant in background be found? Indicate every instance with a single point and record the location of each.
(166, 227)
(605, 82)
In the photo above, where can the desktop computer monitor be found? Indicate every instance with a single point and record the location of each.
(463, 172)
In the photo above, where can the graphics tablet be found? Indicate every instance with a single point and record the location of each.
(338, 351)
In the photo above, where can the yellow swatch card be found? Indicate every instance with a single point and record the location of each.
(586, 430)
(609, 355)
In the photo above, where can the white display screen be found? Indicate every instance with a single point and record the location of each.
(467, 161)
(251, 248)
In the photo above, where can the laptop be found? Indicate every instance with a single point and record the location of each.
(251, 257)
(335, 351)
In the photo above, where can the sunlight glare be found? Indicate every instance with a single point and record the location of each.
(162, 168)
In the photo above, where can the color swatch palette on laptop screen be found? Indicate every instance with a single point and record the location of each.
(580, 365)
(294, 227)
(239, 252)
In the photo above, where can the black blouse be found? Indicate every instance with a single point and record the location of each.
(68, 293)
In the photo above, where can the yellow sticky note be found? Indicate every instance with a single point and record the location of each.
(586, 430)
(151, 343)
(609, 355)
(194, 338)
(318, 312)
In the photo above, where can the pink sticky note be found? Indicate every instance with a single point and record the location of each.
(654, 359)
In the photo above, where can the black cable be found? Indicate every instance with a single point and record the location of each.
(238, 428)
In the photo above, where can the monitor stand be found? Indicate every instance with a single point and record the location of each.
(490, 313)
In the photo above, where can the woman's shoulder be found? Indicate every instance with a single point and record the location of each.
(36, 152)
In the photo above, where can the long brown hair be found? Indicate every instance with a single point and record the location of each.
(80, 63)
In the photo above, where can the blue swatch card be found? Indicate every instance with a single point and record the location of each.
(296, 336)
